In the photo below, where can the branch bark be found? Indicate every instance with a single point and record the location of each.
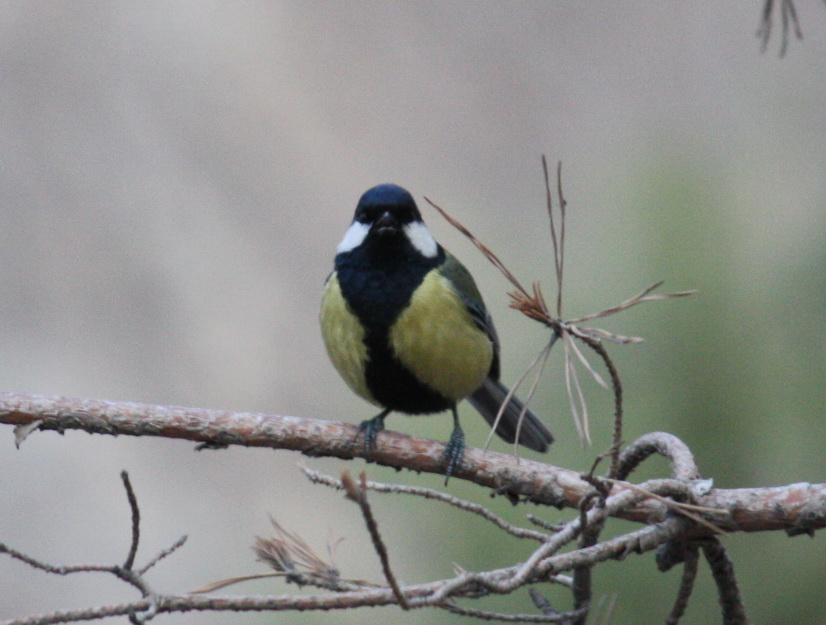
(796, 508)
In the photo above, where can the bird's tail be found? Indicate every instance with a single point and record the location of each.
(488, 398)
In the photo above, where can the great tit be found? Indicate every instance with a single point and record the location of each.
(405, 326)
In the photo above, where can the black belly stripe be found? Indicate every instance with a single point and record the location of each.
(377, 285)
(393, 385)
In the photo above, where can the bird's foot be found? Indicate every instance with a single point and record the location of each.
(454, 451)
(370, 429)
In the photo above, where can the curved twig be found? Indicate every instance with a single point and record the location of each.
(677, 452)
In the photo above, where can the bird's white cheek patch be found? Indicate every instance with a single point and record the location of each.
(354, 237)
(421, 239)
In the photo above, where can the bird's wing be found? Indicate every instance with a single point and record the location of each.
(465, 286)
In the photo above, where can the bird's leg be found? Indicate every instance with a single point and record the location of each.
(370, 428)
(455, 448)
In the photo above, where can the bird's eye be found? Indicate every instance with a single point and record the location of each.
(366, 216)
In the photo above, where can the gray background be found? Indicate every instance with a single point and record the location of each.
(174, 178)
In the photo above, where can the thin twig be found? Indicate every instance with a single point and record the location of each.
(539, 560)
(547, 525)
(358, 494)
(563, 204)
(429, 493)
(640, 298)
(541, 602)
(50, 568)
(558, 242)
(588, 538)
(127, 575)
(163, 554)
(419, 595)
(722, 569)
(136, 521)
(564, 617)
(692, 557)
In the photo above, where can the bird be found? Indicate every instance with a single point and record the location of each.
(405, 326)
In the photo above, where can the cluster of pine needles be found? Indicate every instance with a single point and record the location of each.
(534, 305)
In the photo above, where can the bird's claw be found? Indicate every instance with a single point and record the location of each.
(370, 429)
(454, 452)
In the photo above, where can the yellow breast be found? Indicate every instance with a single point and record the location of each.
(436, 338)
(344, 338)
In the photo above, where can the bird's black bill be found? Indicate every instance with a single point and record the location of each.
(386, 225)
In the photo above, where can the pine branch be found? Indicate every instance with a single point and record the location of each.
(796, 508)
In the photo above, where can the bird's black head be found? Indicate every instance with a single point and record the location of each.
(387, 215)
(386, 209)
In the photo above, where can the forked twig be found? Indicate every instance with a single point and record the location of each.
(124, 572)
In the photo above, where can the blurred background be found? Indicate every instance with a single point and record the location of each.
(175, 176)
